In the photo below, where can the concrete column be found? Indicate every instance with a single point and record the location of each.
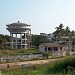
(28, 39)
(11, 34)
(25, 41)
(56, 40)
(30, 35)
(21, 40)
(65, 40)
(52, 49)
(58, 48)
(47, 49)
(16, 40)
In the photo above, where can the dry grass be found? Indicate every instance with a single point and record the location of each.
(18, 51)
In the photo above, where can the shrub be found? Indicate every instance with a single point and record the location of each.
(46, 55)
(62, 65)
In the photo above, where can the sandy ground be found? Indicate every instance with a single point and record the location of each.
(4, 65)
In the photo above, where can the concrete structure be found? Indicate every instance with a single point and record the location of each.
(49, 36)
(43, 34)
(55, 49)
(20, 34)
(64, 39)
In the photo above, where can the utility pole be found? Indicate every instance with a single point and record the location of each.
(70, 45)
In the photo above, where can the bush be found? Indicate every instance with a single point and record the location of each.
(62, 65)
(2, 47)
(46, 55)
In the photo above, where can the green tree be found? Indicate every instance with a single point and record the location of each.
(38, 39)
(4, 39)
(67, 31)
(73, 37)
(59, 31)
(73, 33)
(46, 55)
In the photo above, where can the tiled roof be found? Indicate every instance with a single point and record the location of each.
(51, 45)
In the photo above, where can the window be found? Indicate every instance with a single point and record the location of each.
(55, 48)
(14, 40)
(46, 49)
(49, 48)
(67, 39)
(60, 48)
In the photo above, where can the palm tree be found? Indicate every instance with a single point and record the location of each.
(59, 32)
(67, 31)
(73, 33)
(61, 26)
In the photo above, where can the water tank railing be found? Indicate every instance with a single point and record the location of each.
(10, 27)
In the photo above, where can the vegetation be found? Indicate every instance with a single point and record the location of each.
(4, 41)
(46, 55)
(61, 31)
(18, 51)
(38, 39)
(61, 67)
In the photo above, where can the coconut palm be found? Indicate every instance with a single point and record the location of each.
(67, 31)
(59, 32)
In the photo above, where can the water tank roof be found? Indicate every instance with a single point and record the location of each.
(18, 23)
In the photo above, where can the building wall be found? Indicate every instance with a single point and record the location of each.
(41, 48)
(59, 52)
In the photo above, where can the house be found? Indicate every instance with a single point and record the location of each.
(50, 36)
(54, 48)
(43, 34)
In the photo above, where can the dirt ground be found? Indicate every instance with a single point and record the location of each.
(9, 65)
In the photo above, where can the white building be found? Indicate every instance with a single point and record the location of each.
(20, 34)
(55, 49)
(43, 34)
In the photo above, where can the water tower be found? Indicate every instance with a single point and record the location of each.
(20, 34)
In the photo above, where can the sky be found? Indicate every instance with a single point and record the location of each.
(42, 15)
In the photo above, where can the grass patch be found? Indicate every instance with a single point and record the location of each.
(61, 67)
(18, 51)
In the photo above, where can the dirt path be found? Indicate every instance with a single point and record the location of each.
(4, 65)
